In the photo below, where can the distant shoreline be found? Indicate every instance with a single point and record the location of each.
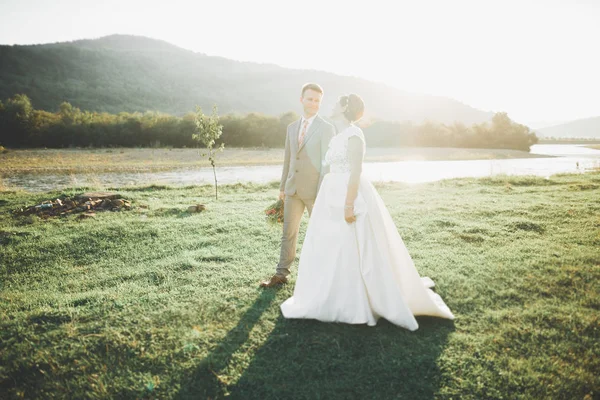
(569, 141)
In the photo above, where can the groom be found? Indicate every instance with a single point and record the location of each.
(306, 143)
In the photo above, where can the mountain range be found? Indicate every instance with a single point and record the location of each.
(134, 73)
(581, 128)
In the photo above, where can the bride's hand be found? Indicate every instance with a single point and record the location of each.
(349, 214)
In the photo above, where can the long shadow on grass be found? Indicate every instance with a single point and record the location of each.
(304, 359)
(310, 360)
(204, 382)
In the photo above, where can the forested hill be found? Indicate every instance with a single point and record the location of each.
(131, 73)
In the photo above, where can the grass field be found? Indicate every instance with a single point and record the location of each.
(128, 159)
(158, 303)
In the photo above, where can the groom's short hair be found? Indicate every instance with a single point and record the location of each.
(312, 86)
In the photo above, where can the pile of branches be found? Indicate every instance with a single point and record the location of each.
(84, 204)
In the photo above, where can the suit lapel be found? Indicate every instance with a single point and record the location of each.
(314, 127)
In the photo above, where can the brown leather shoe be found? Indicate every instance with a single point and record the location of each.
(275, 280)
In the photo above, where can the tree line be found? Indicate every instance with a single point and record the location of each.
(22, 126)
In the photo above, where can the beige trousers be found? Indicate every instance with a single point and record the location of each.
(293, 209)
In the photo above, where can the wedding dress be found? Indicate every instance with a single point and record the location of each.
(356, 273)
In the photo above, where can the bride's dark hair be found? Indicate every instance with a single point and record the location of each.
(355, 107)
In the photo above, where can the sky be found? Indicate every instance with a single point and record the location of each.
(537, 60)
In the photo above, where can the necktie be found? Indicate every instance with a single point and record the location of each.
(301, 138)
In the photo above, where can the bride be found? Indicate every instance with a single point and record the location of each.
(354, 266)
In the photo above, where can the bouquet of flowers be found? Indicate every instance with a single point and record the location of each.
(274, 212)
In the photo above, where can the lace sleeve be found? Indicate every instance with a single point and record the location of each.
(356, 132)
(356, 149)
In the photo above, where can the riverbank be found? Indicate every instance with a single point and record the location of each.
(93, 161)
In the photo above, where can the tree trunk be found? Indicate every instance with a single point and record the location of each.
(216, 192)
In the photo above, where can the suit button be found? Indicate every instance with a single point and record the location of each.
(297, 158)
(296, 170)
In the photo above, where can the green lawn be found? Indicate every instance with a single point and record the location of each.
(159, 303)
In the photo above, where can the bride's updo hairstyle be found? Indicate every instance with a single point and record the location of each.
(354, 107)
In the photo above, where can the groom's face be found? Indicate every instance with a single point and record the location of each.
(311, 101)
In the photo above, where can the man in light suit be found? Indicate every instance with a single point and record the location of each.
(306, 143)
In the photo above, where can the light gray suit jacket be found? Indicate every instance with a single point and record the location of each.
(303, 168)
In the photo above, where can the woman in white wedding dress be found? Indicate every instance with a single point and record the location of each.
(354, 267)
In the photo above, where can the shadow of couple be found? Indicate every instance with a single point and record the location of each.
(311, 359)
